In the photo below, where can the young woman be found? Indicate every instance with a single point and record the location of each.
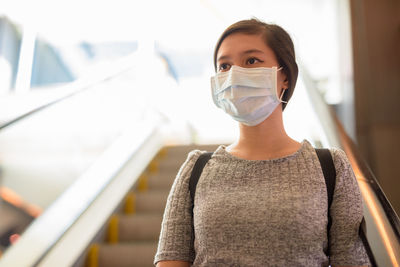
(261, 201)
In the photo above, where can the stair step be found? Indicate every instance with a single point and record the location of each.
(168, 170)
(139, 227)
(161, 182)
(184, 150)
(138, 233)
(161, 185)
(139, 254)
(165, 174)
(172, 163)
(151, 201)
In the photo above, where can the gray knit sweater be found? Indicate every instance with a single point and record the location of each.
(263, 213)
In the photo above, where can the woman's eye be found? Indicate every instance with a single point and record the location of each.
(223, 67)
(252, 61)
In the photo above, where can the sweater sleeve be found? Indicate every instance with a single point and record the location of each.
(346, 247)
(176, 237)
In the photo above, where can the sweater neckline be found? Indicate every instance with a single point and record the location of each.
(222, 151)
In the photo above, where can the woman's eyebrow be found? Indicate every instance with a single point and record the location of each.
(250, 51)
(223, 58)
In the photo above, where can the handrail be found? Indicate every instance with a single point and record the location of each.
(139, 143)
(382, 229)
(82, 84)
(371, 179)
(44, 235)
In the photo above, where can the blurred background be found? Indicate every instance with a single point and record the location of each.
(75, 76)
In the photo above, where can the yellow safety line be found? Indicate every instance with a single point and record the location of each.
(162, 153)
(93, 256)
(130, 203)
(153, 166)
(143, 183)
(113, 229)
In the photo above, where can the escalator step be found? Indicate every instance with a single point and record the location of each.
(161, 181)
(166, 172)
(139, 227)
(151, 201)
(179, 151)
(133, 236)
(139, 254)
(171, 165)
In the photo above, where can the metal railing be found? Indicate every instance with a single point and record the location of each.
(64, 230)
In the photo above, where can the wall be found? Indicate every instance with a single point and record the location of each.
(376, 55)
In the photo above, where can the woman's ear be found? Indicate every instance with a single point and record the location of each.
(286, 83)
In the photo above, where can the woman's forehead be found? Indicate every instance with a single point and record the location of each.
(240, 43)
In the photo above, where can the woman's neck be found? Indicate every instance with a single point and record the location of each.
(266, 140)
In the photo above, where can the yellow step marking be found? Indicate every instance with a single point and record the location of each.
(143, 183)
(130, 205)
(92, 259)
(113, 229)
(153, 167)
(162, 153)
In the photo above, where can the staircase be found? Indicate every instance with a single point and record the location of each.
(132, 232)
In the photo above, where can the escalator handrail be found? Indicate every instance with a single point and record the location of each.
(337, 137)
(82, 84)
(53, 225)
(373, 182)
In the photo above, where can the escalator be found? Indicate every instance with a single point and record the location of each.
(132, 234)
(99, 163)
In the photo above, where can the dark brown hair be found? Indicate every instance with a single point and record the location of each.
(277, 39)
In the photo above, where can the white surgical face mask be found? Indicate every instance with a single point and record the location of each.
(246, 94)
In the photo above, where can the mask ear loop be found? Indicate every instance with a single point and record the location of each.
(280, 98)
(283, 91)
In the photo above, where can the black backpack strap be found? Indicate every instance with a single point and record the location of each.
(329, 171)
(196, 172)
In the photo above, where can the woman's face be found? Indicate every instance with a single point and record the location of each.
(248, 51)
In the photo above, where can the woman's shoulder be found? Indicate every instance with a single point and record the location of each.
(340, 158)
(345, 177)
(188, 164)
(193, 156)
(338, 153)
